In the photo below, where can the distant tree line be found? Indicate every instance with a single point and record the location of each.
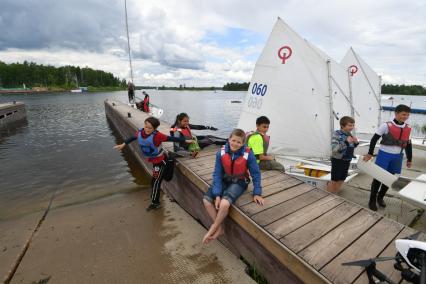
(38, 75)
(413, 90)
(236, 86)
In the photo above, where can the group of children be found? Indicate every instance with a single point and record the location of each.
(395, 138)
(243, 155)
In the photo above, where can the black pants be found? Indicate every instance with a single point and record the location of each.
(157, 178)
(131, 94)
(378, 191)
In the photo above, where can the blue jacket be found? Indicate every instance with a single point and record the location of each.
(340, 148)
(219, 172)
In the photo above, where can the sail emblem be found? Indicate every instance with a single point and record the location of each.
(284, 53)
(353, 69)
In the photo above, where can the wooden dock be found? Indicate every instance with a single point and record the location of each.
(11, 112)
(301, 234)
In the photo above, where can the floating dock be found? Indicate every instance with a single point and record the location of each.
(11, 112)
(301, 235)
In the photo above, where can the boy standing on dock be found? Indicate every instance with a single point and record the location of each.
(231, 177)
(395, 138)
(343, 144)
(150, 139)
(258, 141)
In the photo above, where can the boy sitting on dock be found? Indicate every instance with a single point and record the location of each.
(258, 141)
(343, 144)
(231, 177)
(150, 139)
(395, 138)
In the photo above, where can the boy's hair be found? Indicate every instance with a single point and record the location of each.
(179, 118)
(155, 122)
(262, 120)
(345, 120)
(239, 133)
(402, 108)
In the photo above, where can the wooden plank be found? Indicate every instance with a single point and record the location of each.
(204, 170)
(207, 156)
(367, 246)
(292, 222)
(289, 259)
(326, 248)
(275, 199)
(275, 179)
(386, 267)
(283, 209)
(314, 230)
(269, 190)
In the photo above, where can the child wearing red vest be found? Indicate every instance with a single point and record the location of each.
(234, 162)
(150, 140)
(395, 139)
(182, 127)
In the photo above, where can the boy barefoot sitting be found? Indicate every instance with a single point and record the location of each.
(230, 179)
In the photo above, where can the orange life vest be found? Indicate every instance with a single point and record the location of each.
(186, 132)
(235, 169)
(396, 136)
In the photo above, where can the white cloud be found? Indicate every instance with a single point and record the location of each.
(168, 37)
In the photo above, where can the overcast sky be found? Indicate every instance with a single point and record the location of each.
(205, 43)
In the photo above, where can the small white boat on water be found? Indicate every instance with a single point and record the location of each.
(79, 90)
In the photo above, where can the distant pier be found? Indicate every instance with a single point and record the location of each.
(11, 112)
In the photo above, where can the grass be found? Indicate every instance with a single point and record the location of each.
(253, 272)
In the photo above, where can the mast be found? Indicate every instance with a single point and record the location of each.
(330, 95)
(128, 42)
(380, 101)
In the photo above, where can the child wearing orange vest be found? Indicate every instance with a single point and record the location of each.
(182, 127)
(233, 164)
(395, 139)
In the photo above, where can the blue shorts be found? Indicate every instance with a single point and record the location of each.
(231, 192)
(390, 162)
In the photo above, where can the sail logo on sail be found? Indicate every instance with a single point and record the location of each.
(353, 69)
(284, 53)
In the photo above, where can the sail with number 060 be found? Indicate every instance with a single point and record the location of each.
(291, 85)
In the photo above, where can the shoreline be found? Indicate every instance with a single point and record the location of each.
(115, 238)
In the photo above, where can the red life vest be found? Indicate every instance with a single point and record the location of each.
(185, 132)
(396, 136)
(235, 169)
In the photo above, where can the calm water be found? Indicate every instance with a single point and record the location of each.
(66, 145)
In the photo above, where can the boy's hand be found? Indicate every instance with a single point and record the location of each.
(258, 199)
(409, 164)
(367, 157)
(217, 202)
(350, 139)
(354, 139)
(119, 147)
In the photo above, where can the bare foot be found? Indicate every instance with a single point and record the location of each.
(208, 236)
(218, 233)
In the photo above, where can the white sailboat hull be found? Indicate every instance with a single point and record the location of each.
(419, 143)
(293, 168)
